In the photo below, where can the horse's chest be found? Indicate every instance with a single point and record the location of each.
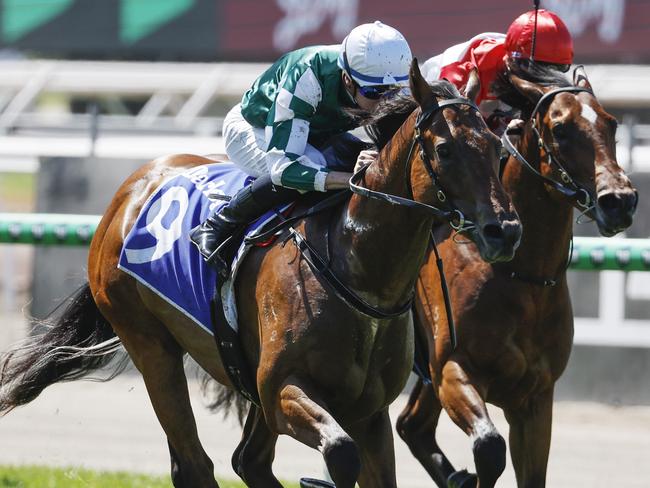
(534, 350)
(374, 362)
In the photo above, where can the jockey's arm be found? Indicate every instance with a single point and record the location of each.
(287, 131)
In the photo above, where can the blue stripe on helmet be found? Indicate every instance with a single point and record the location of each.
(374, 79)
(343, 63)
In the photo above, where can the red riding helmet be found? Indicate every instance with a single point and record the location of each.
(553, 43)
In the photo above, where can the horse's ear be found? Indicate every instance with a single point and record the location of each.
(420, 89)
(473, 86)
(580, 77)
(530, 90)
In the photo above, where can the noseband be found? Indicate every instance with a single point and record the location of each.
(567, 186)
(451, 213)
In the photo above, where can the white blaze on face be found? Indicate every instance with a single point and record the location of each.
(589, 113)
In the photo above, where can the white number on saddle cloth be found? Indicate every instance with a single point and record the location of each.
(165, 236)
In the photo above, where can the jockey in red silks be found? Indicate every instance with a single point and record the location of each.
(491, 53)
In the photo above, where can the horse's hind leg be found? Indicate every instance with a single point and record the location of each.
(159, 358)
(530, 439)
(417, 425)
(253, 458)
(302, 415)
(461, 399)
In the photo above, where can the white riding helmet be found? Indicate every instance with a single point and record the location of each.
(376, 54)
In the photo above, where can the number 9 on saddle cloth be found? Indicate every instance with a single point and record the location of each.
(158, 253)
(157, 250)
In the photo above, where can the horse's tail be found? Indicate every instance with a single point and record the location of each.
(219, 398)
(74, 340)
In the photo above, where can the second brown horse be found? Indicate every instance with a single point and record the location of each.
(514, 320)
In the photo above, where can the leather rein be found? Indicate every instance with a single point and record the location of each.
(451, 214)
(567, 186)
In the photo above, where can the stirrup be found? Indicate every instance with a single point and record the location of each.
(314, 483)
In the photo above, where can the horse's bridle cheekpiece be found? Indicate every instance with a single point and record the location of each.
(567, 186)
(451, 214)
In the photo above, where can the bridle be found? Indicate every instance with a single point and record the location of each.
(567, 186)
(450, 213)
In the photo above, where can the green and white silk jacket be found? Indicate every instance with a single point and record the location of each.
(299, 99)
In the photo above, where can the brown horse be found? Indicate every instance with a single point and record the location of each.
(514, 320)
(325, 371)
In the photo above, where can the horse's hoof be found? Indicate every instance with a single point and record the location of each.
(312, 483)
(462, 479)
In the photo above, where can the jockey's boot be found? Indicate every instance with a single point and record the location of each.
(245, 206)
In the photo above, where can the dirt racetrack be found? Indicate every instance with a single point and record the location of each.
(112, 426)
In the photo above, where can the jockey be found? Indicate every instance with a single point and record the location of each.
(492, 53)
(295, 106)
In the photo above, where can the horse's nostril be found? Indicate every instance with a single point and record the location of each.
(610, 202)
(492, 231)
(618, 203)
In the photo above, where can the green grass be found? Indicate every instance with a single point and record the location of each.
(43, 477)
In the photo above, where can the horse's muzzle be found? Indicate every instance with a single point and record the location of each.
(616, 210)
(499, 240)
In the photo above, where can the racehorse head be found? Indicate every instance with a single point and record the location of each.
(576, 140)
(451, 163)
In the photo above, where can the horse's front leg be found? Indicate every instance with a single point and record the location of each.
(417, 425)
(301, 413)
(253, 458)
(374, 436)
(460, 397)
(530, 439)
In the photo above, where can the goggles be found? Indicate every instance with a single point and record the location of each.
(375, 92)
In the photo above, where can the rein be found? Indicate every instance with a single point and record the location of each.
(567, 186)
(320, 265)
(452, 214)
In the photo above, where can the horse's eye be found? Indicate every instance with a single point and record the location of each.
(443, 150)
(559, 132)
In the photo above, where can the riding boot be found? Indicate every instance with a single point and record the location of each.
(245, 206)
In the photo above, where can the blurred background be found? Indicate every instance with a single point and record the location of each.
(91, 89)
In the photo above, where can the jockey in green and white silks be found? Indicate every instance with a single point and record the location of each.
(300, 98)
(278, 130)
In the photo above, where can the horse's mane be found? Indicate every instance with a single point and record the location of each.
(537, 73)
(391, 112)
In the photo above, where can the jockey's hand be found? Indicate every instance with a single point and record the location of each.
(337, 180)
(516, 124)
(365, 158)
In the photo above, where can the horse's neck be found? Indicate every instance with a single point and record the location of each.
(380, 247)
(547, 221)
